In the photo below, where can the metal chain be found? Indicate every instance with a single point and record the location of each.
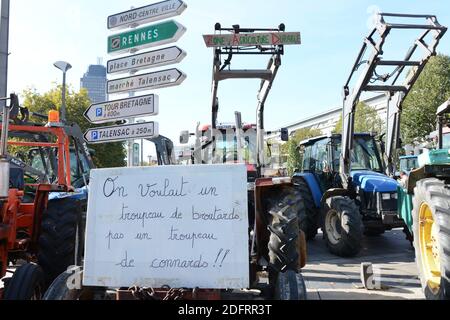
(150, 294)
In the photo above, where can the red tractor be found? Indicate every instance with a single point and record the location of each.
(42, 199)
(278, 246)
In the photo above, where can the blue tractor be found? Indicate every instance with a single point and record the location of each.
(368, 205)
(345, 185)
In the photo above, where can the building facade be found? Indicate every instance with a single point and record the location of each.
(94, 81)
(326, 121)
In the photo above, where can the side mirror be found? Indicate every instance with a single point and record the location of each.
(284, 134)
(184, 137)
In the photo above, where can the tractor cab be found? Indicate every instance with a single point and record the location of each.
(375, 192)
(321, 157)
(225, 145)
(408, 163)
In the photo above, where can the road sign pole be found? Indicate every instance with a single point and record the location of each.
(4, 40)
(130, 142)
(130, 121)
(142, 152)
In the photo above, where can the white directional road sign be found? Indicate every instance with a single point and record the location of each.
(148, 81)
(152, 59)
(147, 105)
(122, 132)
(252, 39)
(150, 13)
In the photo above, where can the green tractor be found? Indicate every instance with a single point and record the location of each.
(424, 203)
(408, 163)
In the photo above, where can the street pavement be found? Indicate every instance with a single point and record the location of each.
(329, 277)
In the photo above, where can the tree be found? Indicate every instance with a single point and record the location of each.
(290, 148)
(366, 120)
(105, 155)
(428, 93)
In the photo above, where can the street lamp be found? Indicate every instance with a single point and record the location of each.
(64, 67)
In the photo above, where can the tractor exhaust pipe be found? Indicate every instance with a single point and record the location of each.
(4, 180)
(4, 163)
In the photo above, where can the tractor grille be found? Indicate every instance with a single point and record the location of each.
(389, 205)
(375, 202)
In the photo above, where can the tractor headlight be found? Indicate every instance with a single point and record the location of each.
(394, 196)
(386, 196)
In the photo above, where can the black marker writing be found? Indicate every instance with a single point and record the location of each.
(192, 236)
(139, 216)
(114, 236)
(179, 263)
(177, 215)
(125, 263)
(110, 188)
(218, 214)
(143, 236)
(211, 191)
(153, 190)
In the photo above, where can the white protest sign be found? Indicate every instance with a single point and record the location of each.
(181, 226)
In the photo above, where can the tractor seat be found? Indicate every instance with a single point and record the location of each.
(16, 178)
(4, 231)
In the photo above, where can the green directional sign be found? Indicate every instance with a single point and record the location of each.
(150, 36)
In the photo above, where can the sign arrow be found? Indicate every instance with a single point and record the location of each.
(121, 133)
(252, 39)
(148, 81)
(149, 36)
(147, 105)
(154, 12)
(152, 59)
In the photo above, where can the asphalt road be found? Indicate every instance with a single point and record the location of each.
(331, 277)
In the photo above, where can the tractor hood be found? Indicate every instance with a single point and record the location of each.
(371, 181)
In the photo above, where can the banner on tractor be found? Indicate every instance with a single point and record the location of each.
(177, 226)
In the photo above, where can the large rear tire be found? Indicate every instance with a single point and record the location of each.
(27, 283)
(61, 238)
(343, 227)
(308, 216)
(284, 244)
(290, 286)
(431, 228)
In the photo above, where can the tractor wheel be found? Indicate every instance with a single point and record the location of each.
(373, 232)
(27, 283)
(343, 227)
(59, 290)
(284, 244)
(61, 238)
(307, 217)
(290, 286)
(431, 228)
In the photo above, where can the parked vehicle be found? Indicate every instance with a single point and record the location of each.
(43, 200)
(373, 206)
(364, 200)
(424, 203)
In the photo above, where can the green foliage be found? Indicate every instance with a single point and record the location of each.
(428, 93)
(366, 120)
(290, 148)
(106, 155)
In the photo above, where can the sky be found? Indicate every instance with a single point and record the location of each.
(309, 81)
